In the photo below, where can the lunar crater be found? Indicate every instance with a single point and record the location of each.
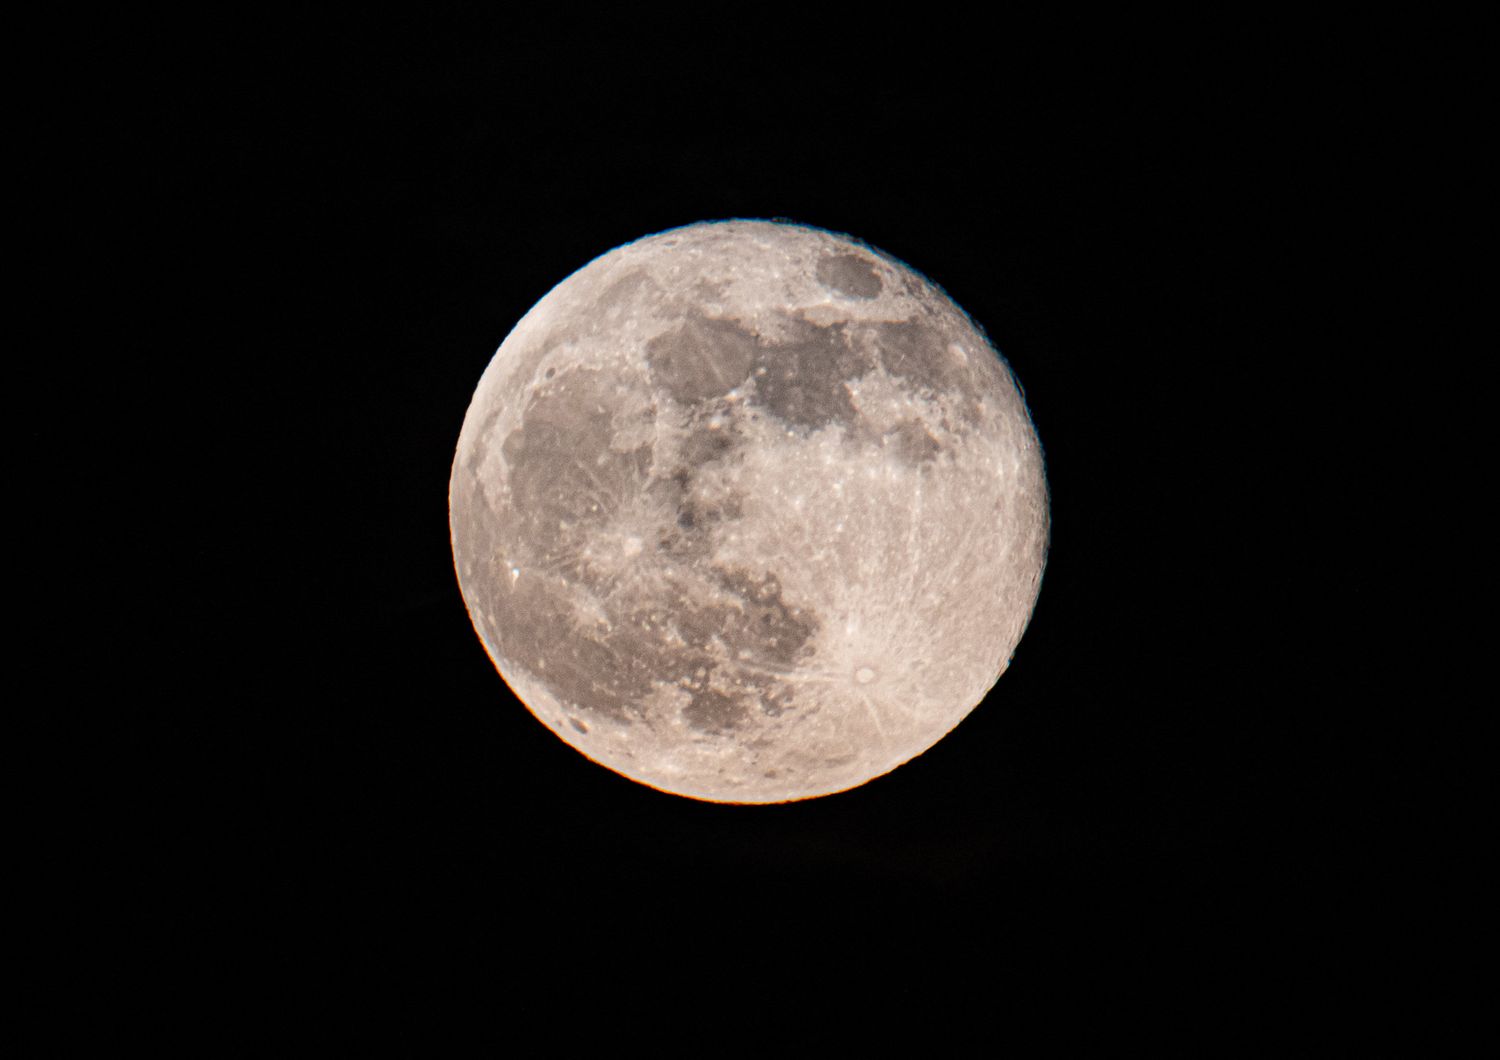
(849, 274)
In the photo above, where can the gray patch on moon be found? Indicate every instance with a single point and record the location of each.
(916, 352)
(799, 378)
(911, 442)
(711, 711)
(703, 358)
(849, 274)
(742, 547)
(803, 381)
(601, 650)
(707, 444)
(566, 476)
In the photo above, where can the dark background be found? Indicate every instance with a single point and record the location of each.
(351, 216)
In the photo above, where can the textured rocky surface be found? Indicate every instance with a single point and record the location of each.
(748, 512)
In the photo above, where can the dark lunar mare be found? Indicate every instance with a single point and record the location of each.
(567, 483)
(849, 275)
(802, 378)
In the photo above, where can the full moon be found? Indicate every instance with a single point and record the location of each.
(748, 512)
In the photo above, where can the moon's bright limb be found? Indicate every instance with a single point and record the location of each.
(748, 512)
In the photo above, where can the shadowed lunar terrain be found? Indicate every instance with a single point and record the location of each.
(748, 512)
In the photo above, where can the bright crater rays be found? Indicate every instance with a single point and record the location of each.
(748, 512)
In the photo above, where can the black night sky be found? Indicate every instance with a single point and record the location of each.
(361, 211)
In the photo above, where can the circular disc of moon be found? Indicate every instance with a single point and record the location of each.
(748, 512)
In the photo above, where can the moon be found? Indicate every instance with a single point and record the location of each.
(748, 512)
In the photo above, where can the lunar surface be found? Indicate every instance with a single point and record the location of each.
(748, 512)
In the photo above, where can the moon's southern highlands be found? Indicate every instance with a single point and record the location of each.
(748, 512)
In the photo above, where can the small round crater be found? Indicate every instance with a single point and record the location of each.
(864, 675)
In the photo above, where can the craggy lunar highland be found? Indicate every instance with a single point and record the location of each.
(748, 512)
